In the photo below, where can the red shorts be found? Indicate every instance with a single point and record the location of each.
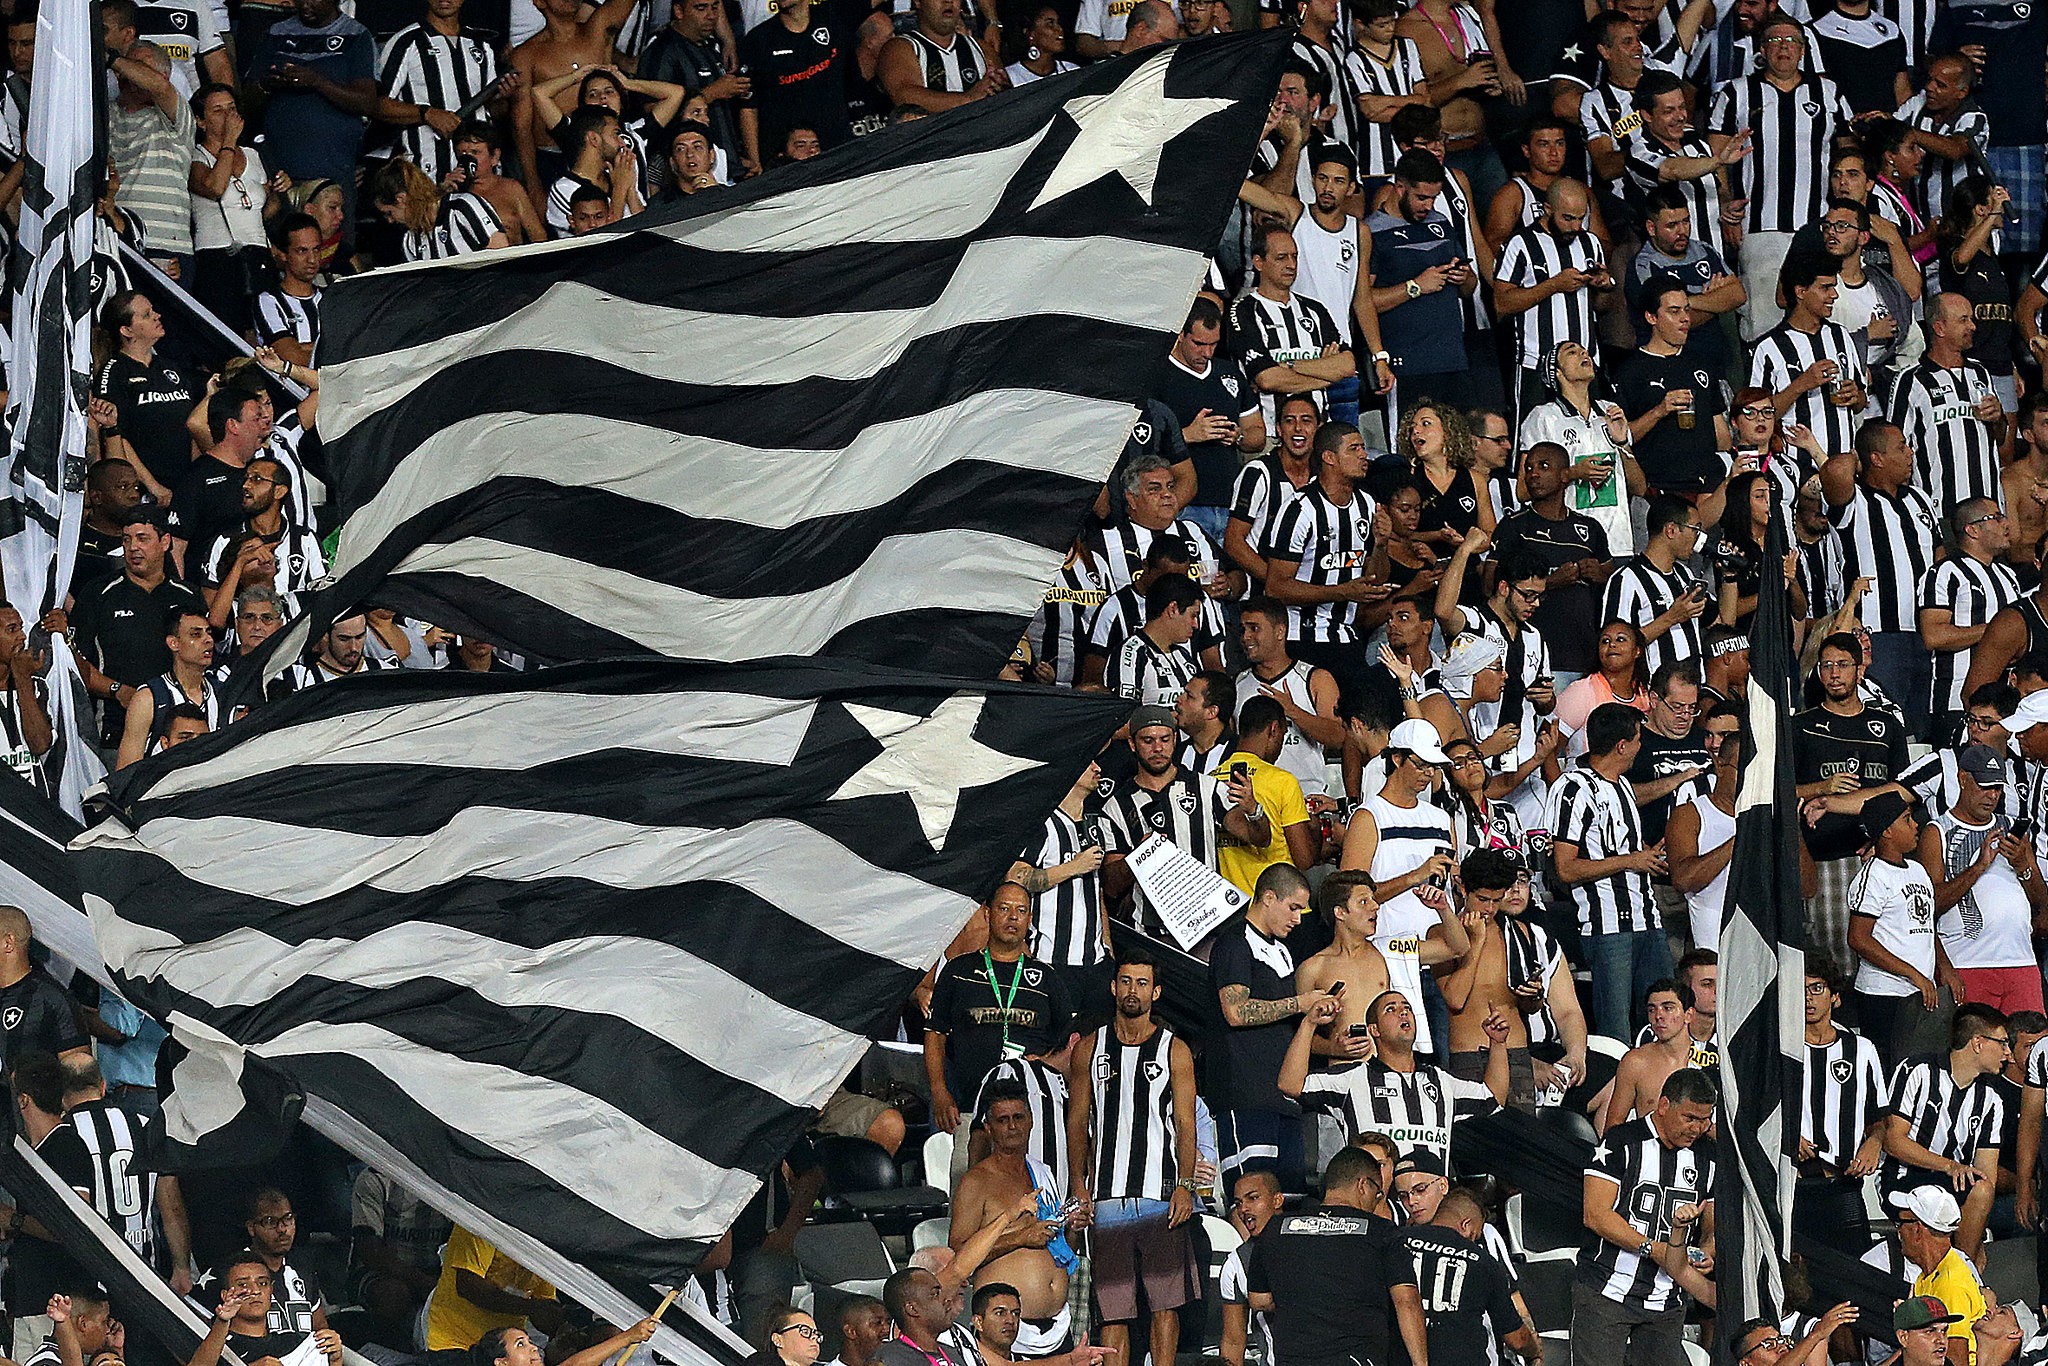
(2006, 989)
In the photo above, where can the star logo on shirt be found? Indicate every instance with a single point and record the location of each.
(1574, 53)
(1600, 1153)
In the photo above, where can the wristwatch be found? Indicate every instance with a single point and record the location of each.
(1644, 1250)
(1386, 356)
(1414, 291)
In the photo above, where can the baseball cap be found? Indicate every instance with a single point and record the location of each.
(1921, 1311)
(1147, 716)
(1880, 811)
(1931, 1205)
(1983, 763)
(1424, 1160)
(1419, 738)
(2032, 711)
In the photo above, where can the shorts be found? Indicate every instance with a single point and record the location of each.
(1132, 1245)
(1044, 1337)
(2007, 989)
(849, 1114)
(1521, 1074)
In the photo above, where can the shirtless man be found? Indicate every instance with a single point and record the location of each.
(1034, 1257)
(1349, 903)
(515, 211)
(1456, 83)
(1480, 980)
(566, 44)
(1640, 1078)
(2025, 481)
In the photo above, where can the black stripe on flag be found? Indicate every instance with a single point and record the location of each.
(856, 408)
(1763, 979)
(509, 923)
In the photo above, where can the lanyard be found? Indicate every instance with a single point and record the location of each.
(996, 990)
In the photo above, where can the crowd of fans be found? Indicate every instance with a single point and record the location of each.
(1429, 568)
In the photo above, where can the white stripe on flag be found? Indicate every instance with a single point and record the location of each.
(959, 569)
(995, 281)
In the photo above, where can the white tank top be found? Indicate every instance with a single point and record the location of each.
(1408, 837)
(1329, 267)
(1299, 755)
(1716, 829)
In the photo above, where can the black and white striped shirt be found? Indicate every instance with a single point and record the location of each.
(1266, 332)
(1399, 74)
(1330, 544)
(1060, 627)
(1955, 456)
(1045, 1090)
(1259, 495)
(1066, 920)
(1147, 675)
(1535, 254)
(1640, 592)
(1891, 538)
(1132, 1121)
(1938, 175)
(463, 224)
(123, 1187)
(1120, 548)
(435, 71)
(1608, 111)
(1973, 591)
(1415, 1109)
(1654, 1180)
(1187, 811)
(1334, 62)
(1948, 1120)
(1121, 613)
(1783, 354)
(1646, 157)
(1533, 954)
(1823, 574)
(1604, 820)
(279, 314)
(1845, 1095)
(1785, 176)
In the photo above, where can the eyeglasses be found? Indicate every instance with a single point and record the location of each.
(1679, 708)
(1500, 440)
(802, 1330)
(1532, 598)
(1817, 989)
(1987, 517)
(275, 1220)
(2002, 1040)
(1757, 410)
(1838, 225)
(1779, 1341)
(1785, 40)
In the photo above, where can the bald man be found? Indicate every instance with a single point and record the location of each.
(36, 1015)
(1545, 280)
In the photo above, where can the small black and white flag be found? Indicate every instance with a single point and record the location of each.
(856, 408)
(49, 364)
(1763, 980)
(587, 946)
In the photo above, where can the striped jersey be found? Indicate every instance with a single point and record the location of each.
(1398, 73)
(1132, 1119)
(1639, 591)
(1187, 811)
(123, 1187)
(1120, 549)
(1938, 175)
(1955, 456)
(1267, 332)
(1045, 1091)
(1416, 1109)
(1654, 1180)
(1601, 816)
(1533, 954)
(1059, 628)
(1844, 1095)
(1341, 103)
(1330, 544)
(1948, 1120)
(1259, 495)
(1646, 156)
(464, 223)
(1785, 176)
(435, 71)
(1608, 111)
(1973, 592)
(1782, 354)
(1146, 674)
(1532, 255)
(1230, 1289)
(1891, 537)
(279, 314)
(1066, 920)
(1122, 612)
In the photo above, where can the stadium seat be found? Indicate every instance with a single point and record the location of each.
(931, 1233)
(938, 1160)
(867, 1181)
(834, 1254)
(1224, 1238)
(1601, 1044)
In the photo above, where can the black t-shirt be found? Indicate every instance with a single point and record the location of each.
(1466, 1300)
(37, 1016)
(121, 628)
(1674, 460)
(1244, 1072)
(1870, 744)
(153, 401)
(99, 561)
(2014, 36)
(1661, 757)
(1028, 1006)
(206, 503)
(1225, 392)
(1569, 618)
(1331, 1275)
(37, 1270)
(1983, 283)
(797, 81)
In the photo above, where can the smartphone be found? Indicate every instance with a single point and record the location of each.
(467, 165)
(1357, 1031)
(1336, 988)
(2023, 829)
(1243, 771)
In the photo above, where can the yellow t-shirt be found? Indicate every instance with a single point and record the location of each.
(1954, 1282)
(452, 1321)
(1279, 795)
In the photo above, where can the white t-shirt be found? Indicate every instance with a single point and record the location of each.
(1992, 926)
(1605, 503)
(236, 218)
(1901, 899)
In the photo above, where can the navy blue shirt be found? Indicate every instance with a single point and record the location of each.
(304, 135)
(2014, 34)
(1425, 336)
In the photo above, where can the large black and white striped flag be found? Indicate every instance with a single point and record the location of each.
(49, 361)
(1763, 979)
(588, 947)
(854, 408)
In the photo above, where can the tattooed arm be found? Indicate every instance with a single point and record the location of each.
(1245, 1013)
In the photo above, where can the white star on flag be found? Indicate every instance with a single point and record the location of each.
(1125, 131)
(930, 759)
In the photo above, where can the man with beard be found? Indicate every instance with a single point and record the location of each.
(112, 491)
(1419, 278)
(1571, 548)
(1186, 807)
(340, 653)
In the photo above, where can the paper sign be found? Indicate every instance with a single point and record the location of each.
(1189, 899)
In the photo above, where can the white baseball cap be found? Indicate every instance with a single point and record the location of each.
(1421, 739)
(2032, 711)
